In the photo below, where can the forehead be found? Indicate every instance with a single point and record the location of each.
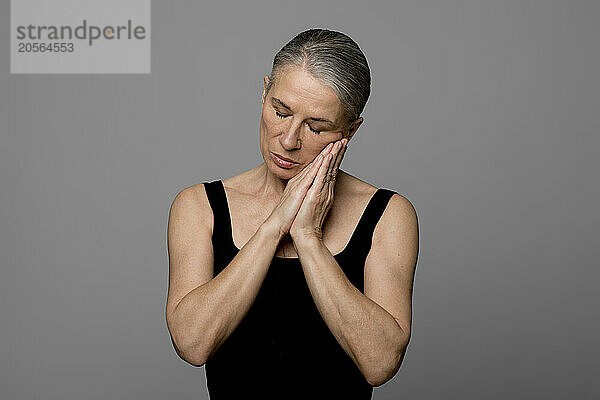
(303, 92)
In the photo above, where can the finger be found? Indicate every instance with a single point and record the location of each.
(327, 149)
(339, 158)
(306, 170)
(314, 170)
(314, 177)
(300, 188)
(310, 167)
(314, 163)
(333, 171)
(323, 171)
(336, 153)
(315, 160)
(319, 181)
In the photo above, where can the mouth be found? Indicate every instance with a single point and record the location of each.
(283, 162)
(286, 159)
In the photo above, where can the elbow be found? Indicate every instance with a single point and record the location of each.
(194, 357)
(189, 353)
(186, 347)
(388, 367)
(379, 375)
(195, 361)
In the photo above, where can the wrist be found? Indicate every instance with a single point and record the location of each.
(271, 231)
(306, 240)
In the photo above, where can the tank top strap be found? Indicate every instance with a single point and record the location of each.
(217, 198)
(361, 240)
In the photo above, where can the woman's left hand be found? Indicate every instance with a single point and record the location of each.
(319, 197)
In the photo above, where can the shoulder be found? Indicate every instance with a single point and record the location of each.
(397, 230)
(353, 188)
(397, 225)
(191, 195)
(243, 182)
(400, 209)
(192, 203)
(398, 215)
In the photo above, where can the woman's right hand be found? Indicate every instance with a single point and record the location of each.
(292, 197)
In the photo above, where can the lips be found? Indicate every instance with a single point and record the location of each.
(286, 159)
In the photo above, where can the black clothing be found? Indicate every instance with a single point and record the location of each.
(283, 349)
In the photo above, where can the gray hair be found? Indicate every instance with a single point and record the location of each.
(333, 58)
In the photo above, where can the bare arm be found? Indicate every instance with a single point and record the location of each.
(373, 328)
(203, 311)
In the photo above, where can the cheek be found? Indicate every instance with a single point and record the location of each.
(271, 124)
(320, 142)
(324, 140)
(316, 146)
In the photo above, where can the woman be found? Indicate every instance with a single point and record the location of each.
(294, 279)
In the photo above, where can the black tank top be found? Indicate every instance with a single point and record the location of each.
(283, 349)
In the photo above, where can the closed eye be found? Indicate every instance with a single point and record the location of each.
(282, 116)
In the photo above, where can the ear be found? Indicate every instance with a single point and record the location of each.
(353, 128)
(264, 92)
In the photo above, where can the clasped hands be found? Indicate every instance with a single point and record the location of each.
(308, 196)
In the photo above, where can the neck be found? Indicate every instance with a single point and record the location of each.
(263, 184)
(266, 184)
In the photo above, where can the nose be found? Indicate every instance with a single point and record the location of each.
(290, 139)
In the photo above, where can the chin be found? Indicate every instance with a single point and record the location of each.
(284, 174)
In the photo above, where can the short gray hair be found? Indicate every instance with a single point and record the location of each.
(333, 58)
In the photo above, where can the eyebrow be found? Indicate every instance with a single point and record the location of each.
(277, 101)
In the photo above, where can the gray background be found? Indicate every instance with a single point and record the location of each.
(484, 114)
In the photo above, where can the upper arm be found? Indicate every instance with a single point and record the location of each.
(189, 242)
(391, 262)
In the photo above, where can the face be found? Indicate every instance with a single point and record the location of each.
(300, 116)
